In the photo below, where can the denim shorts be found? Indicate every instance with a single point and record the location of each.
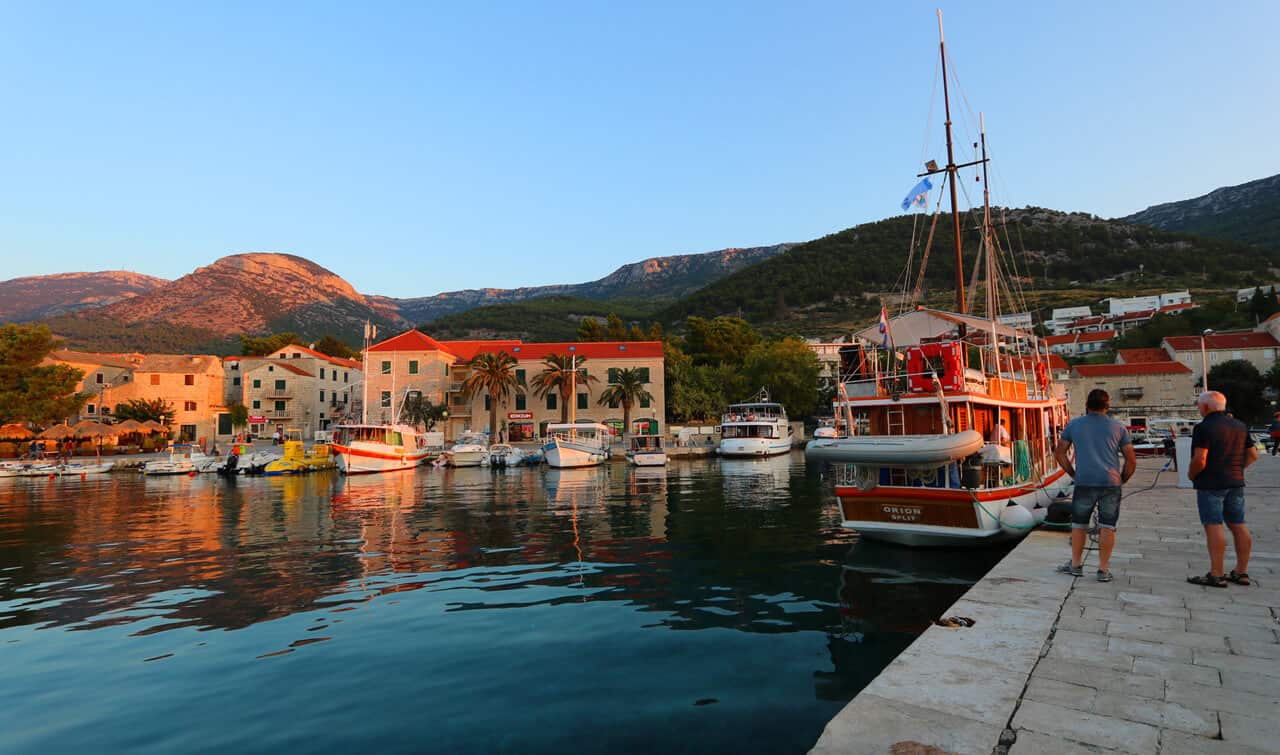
(1224, 505)
(1106, 498)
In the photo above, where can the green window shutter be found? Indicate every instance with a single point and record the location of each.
(487, 403)
(257, 383)
(644, 403)
(521, 402)
(644, 374)
(551, 400)
(613, 374)
(519, 377)
(386, 368)
(582, 401)
(413, 367)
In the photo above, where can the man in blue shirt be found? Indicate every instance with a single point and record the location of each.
(1099, 442)
(1220, 452)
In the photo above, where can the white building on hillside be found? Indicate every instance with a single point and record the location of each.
(1064, 316)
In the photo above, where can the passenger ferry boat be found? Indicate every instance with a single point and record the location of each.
(577, 444)
(755, 429)
(951, 419)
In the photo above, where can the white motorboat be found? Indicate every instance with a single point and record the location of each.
(184, 458)
(646, 451)
(755, 429)
(75, 469)
(470, 450)
(896, 450)
(365, 449)
(580, 444)
(505, 455)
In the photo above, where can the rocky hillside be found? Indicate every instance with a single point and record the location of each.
(657, 277)
(243, 293)
(41, 296)
(1249, 212)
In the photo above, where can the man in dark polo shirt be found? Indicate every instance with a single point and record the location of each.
(1220, 452)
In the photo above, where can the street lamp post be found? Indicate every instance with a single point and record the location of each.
(1204, 360)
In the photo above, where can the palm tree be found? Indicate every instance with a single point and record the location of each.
(626, 388)
(494, 374)
(556, 375)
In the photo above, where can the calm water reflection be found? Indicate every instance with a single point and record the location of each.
(712, 606)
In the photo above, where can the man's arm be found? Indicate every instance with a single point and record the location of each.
(1250, 455)
(1064, 461)
(1198, 458)
(1130, 462)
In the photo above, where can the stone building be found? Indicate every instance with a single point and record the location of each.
(413, 363)
(1256, 347)
(294, 387)
(1138, 391)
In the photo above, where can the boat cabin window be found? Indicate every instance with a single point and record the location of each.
(750, 431)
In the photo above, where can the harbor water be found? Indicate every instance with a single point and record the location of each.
(709, 606)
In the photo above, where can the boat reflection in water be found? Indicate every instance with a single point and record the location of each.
(499, 600)
(888, 596)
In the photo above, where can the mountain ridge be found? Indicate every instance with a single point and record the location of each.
(1247, 212)
(36, 297)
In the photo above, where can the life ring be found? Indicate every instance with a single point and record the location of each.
(1042, 375)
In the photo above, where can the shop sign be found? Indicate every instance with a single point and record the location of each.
(257, 419)
(519, 415)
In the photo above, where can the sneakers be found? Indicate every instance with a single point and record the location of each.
(1069, 568)
(1104, 576)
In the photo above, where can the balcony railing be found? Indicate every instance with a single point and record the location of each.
(274, 393)
(1132, 392)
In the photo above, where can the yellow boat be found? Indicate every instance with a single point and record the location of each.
(299, 459)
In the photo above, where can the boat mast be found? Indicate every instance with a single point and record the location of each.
(573, 388)
(951, 169)
(364, 376)
(989, 256)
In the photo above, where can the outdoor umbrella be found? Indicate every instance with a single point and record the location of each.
(129, 426)
(14, 431)
(58, 432)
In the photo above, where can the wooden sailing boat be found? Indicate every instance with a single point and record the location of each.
(957, 448)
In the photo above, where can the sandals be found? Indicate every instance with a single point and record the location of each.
(1240, 578)
(954, 622)
(1208, 580)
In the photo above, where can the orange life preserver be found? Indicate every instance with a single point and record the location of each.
(1042, 375)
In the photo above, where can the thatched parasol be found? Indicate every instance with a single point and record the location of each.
(14, 431)
(91, 429)
(129, 426)
(58, 432)
(155, 427)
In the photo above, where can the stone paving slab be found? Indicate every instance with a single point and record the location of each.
(1144, 664)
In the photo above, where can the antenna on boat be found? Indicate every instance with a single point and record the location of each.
(989, 261)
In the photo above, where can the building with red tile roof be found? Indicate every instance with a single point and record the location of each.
(1134, 356)
(1079, 344)
(1256, 347)
(1138, 390)
(415, 363)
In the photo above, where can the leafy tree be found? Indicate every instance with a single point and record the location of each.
(789, 370)
(627, 388)
(417, 410)
(333, 347)
(1272, 378)
(590, 329)
(29, 391)
(261, 346)
(239, 415)
(494, 374)
(142, 410)
(1262, 305)
(1242, 384)
(557, 375)
(721, 340)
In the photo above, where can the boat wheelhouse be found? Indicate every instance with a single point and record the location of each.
(755, 429)
(470, 450)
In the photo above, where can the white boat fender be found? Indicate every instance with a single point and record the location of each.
(1015, 519)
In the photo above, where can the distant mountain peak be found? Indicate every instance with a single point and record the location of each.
(1247, 212)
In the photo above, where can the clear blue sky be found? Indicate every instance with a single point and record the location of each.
(417, 147)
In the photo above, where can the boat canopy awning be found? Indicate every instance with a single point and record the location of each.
(911, 328)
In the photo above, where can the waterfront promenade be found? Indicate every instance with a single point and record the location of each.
(1144, 664)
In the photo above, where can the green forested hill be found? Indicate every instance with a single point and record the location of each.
(1062, 251)
(550, 318)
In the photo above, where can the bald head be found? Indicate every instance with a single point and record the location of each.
(1211, 401)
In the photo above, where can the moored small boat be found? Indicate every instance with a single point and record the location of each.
(505, 455)
(579, 444)
(646, 451)
(184, 458)
(470, 450)
(754, 429)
